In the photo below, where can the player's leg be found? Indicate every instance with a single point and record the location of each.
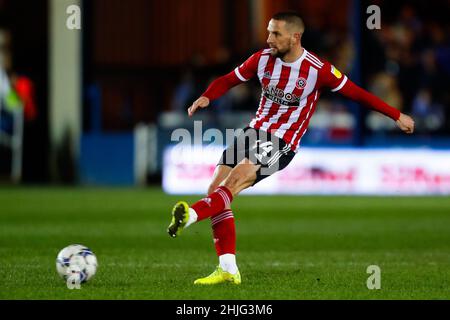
(244, 175)
(224, 235)
(224, 228)
(270, 157)
(220, 174)
(183, 216)
(240, 177)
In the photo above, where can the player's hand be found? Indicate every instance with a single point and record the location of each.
(201, 102)
(406, 123)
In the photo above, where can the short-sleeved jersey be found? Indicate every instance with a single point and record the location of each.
(289, 91)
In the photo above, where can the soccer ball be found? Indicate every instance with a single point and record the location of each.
(76, 258)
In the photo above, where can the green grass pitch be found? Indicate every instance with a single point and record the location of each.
(289, 247)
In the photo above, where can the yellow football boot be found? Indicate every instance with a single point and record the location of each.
(220, 276)
(180, 216)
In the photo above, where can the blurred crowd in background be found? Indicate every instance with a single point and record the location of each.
(406, 63)
(147, 61)
(412, 71)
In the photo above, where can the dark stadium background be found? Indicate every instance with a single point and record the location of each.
(135, 58)
(141, 63)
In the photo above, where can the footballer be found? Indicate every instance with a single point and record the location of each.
(292, 79)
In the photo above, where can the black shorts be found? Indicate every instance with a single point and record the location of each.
(260, 147)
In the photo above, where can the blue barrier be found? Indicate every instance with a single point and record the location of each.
(107, 159)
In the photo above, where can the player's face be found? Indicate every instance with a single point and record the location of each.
(280, 40)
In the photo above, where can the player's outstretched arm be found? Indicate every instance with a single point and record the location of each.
(221, 85)
(356, 93)
(216, 89)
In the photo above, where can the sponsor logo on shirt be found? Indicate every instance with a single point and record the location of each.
(279, 96)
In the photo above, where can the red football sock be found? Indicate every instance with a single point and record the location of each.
(224, 232)
(213, 204)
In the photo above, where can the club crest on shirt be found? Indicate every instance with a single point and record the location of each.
(267, 74)
(301, 83)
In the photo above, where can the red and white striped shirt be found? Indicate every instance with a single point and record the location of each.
(290, 92)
